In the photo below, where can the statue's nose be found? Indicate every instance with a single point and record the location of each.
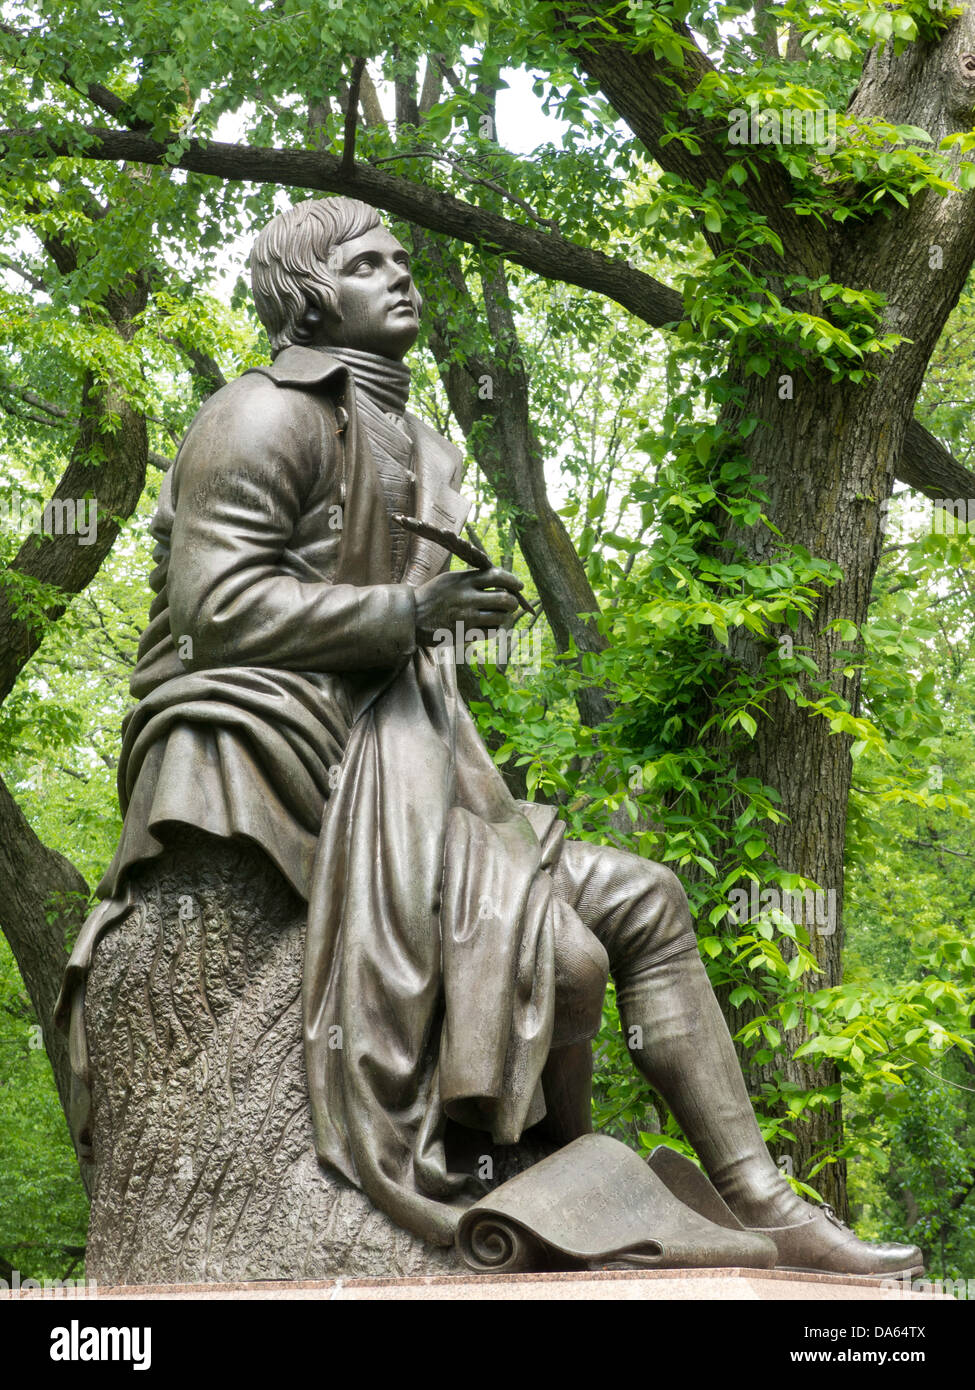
(401, 278)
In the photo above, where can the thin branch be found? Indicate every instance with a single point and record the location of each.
(461, 165)
(351, 119)
(57, 68)
(450, 74)
(35, 281)
(70, 772)
(945, 1082)
(27, 416)
(57, 412)
(940, 849)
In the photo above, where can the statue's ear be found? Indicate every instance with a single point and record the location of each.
(417, 300)
(309, 328)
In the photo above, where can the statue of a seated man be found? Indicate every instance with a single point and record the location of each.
(292, 694)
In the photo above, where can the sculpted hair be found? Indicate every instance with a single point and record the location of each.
(290, 260)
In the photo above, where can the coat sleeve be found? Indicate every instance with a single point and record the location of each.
(243, 479)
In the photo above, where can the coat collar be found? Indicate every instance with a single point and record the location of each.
(302, 366)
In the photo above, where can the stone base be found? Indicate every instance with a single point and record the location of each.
(659, 1285)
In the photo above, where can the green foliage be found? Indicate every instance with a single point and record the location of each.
(43, 1212)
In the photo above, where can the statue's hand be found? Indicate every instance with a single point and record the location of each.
(480, 599)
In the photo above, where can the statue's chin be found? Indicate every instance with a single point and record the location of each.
(394, 345)
(397, 344)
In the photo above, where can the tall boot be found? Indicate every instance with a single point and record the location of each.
(688, 1057)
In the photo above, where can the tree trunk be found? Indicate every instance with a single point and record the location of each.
(833, 507)
(490, 399)
(204, 1161)
(41, 895)
(830, 456)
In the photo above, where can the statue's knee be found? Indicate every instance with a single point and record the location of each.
(657, 924)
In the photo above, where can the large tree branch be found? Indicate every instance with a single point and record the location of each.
(650, 94)
(206, 366)
(919, 256)
(108, 467)
(41, 893)
(545, 252)
(927, 466)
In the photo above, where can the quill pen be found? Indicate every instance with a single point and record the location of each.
(471, 554)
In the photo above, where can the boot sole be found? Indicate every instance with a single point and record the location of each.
(911, 1271)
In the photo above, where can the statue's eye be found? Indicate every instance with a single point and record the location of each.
(361, 266)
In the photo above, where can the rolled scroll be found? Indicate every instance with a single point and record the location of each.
(596, 1204)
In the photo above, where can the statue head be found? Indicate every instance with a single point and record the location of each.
(328, 273)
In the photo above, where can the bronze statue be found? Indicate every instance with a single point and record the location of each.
(292, 693)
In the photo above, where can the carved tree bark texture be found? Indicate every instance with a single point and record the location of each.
(204, 1166)
(839, 455)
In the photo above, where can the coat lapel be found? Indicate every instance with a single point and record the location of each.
(437, 466)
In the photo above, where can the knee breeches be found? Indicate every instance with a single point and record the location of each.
(634, 915)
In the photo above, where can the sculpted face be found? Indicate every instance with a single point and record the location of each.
(377, 299)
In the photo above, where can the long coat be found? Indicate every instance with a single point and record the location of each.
(283, 699)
